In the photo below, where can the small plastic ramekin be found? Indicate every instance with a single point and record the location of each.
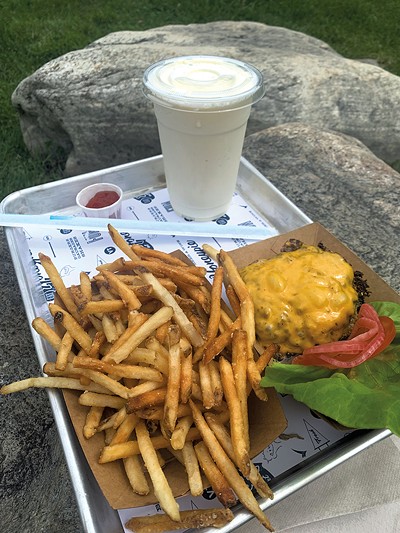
(110, 211)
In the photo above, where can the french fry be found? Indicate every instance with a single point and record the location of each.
(128, 296)
(185, 387)
(85, 285)
(102, 306)
(150, 398)
(59, 285)
(44, 330)
(135, 320)
(173, 384)
(109, 328)
(192, 469)
(125, 429)
(168, 300)
(216, 383)
(64, 351)
(224, 439)
(135, 474)
(146, 329)
(178, 437)
(94, 399)
(131, 447)
(162, 490)
(92, 421)
(72, 326)
(218, 482)
(207, 392)
(145, 253)
(239, 438)
(113, 421)
(266, 356)
(239, 366)
(195, 519)
(221, 342)
(227, 468)
(45, 382)
(121, 370)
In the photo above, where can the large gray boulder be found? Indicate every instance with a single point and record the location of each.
(89, 102)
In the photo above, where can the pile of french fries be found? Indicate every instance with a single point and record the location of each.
(165, 368)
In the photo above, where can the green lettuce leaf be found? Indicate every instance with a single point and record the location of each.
(364, 397)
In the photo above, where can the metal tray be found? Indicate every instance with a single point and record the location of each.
(134, 179)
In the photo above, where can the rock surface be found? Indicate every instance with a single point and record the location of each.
(89, 102)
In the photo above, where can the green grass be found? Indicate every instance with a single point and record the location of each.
(33, 32)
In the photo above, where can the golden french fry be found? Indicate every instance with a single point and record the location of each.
(109, 328)
(218, 482)
(125, 429)
(42, 383)
(114, 266)
(178, 274)
(97, 343)
(192, 469)
(101, 379)
(215, 310)
(135, 320)
(92, 421)
(162, 490)
(221, 341)
(44, 330)
(233, 299)
(94, 307)
(146, 386)
(113, 421)
(227, 468)
(216, 383)
(173, 385)
(128, 296)
(150, 398)
(93, 399)
(239, 367)
(168, 300)
(224, 439)
(85, 285)
(194, 519)
(186, 376)
(207, 392)
(121, 370)
(131, 447)
(143, 252)
(266, 357)
(239, 438)
(178, 437)
(134, 471)
(64, 351)
(146, 329)
(59, 285)
(141, 355)
(72, 326)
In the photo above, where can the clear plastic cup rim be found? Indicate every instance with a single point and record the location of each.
(196, 99)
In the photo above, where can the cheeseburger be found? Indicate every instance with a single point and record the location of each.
(305, 295)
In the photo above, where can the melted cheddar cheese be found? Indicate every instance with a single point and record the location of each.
(301, 298)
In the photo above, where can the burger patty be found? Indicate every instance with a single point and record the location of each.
(304, 296)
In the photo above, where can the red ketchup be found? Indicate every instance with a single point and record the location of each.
(102, 199)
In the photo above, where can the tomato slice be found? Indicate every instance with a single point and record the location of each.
(370, 335)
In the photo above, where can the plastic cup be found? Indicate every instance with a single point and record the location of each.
(110, 211)
(202, 105)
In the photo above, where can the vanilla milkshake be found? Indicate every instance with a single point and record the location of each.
(202, 105)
